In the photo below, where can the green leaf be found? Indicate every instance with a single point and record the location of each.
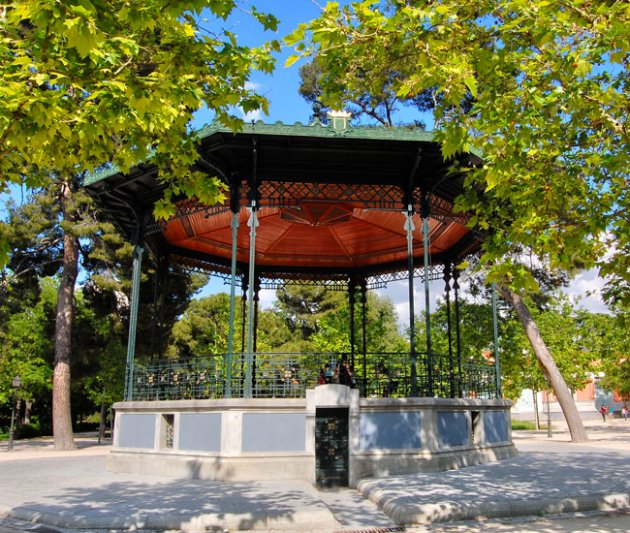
(296, 35)
(291, 60)
(80, 37)
(268, 21)
(5, 250)
(471, 83)
(582, 67)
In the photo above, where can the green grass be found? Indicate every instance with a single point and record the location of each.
(527, 425)
(522, 424)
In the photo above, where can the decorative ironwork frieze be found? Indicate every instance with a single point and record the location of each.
(185, 208)
(290, 194)
(279, 280)
(439, 208)
(379, 281)
(201, 266)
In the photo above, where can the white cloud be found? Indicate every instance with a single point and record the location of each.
(267, 298)
(398, 293)
(251, 116)
(252, 85)
(586, 291)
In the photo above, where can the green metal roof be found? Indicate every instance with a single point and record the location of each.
(315, 130)
(319, 130)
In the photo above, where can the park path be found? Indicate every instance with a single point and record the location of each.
(72, 490)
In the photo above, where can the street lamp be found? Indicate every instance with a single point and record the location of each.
(549, 413)
(16, 384)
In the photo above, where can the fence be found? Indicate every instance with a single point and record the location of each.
(289, 375)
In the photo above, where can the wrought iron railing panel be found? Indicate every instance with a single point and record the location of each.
(289, 375)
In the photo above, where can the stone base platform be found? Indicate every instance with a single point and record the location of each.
(330, 438)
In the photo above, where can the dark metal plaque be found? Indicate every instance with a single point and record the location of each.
(331, 447)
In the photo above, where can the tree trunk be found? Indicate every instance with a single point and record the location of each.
(536, 413)
(101, 425)
(62, 414)
(548, 365)
(28, 404)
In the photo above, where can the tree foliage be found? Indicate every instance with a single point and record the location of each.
(550, 82)
(381, 107)
(89, 83)
(202, 330)
(303, 307)
(29, 285)
(610, 337)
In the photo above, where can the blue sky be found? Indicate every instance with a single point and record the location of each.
(281, 87)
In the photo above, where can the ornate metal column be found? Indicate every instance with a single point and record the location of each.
(352, 286)
(245, 290)
(427, 295)
(458, 340)
(495, 341)
(133, 309)
(235, 207)
(409, 227)
(447, 290)
(364, 331)
(255, 340)
(253, 223)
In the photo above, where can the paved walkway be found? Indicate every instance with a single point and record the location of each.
(72, 490)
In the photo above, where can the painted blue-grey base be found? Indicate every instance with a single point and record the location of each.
(200, 432)
(390, 431)
(496, 426)
(137, 430)
(453, 428)
(274, 432)
(252, 439)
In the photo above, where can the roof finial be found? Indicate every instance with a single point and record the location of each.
(339, 120)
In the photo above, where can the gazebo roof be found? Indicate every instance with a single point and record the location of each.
(329, 201)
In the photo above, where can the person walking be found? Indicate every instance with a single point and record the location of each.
(603, 411)
(624, 412)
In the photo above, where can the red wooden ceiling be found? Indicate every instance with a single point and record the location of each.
(327, 235)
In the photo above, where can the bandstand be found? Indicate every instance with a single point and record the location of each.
(348, 208)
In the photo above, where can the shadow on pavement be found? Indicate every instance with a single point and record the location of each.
(53, 491)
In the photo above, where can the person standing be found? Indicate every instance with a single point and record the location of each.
(603, 411)
(344, 373)
(624, 412)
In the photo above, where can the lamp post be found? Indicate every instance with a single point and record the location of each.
(16, 384)
(549, 435)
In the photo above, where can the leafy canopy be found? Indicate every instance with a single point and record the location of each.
(88, 83)
(550, 84)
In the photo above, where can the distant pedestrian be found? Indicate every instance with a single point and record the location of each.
(603, 411)
(344, 373)
(611, 412)
(624, 413)
(328, 374)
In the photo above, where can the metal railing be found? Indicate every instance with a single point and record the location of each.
(289, 375)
